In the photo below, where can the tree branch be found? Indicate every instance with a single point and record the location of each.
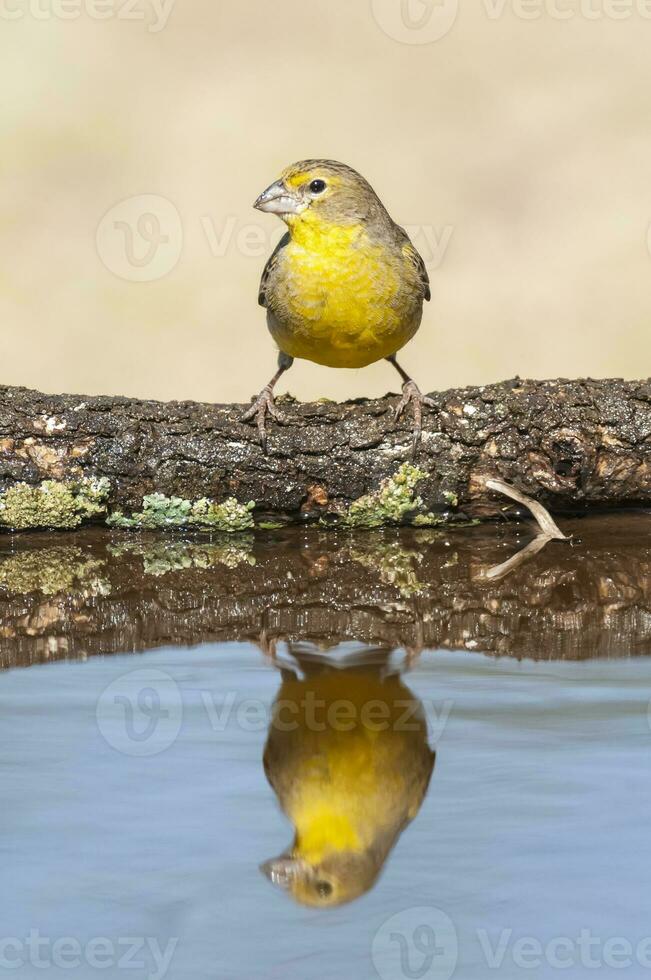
(570, 445)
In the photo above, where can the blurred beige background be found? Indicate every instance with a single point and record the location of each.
(516, 146)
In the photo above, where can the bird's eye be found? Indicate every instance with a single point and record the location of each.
(323, 888)
(318, 186)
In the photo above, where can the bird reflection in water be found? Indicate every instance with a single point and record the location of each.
(348, 758)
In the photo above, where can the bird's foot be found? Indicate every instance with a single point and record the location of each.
(412, 397)
(269, 648)
(263, 407)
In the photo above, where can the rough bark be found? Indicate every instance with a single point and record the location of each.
(100, 592)
(570, 444)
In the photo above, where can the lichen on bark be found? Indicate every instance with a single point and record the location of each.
(393, 503)
(53, 504)
(164, 513)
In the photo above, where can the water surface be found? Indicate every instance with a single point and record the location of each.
(137, 810)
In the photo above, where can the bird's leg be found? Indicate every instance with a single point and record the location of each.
(264, 404)
(411, 396)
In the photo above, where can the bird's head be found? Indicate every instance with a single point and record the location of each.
(338, 878)
(321, 191)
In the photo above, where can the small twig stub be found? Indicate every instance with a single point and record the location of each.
(546, 523)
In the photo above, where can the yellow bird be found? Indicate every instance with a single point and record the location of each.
(345, 286)
(348, 758)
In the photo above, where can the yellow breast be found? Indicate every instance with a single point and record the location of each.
(330, 812)
(340, 299)
(347, 781)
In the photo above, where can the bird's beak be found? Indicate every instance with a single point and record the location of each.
(283, 870)
(278, 200)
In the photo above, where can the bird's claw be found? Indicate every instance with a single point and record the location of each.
(413, 396)
(269, 647)
(262, 407)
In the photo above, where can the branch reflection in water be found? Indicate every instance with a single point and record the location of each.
(489, 589)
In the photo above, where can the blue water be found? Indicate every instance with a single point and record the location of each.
(141, 845)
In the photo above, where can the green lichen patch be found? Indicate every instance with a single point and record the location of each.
(53, 504)
(392, 503)
(450, 522)
(394, 564)
(160, 512)
(161, 557)
(429, 520)
(53, 570)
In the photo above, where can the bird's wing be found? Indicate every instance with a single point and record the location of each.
(416, 260)
(421, 780)
(412, 255)
(268, 269)
(271, 762)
